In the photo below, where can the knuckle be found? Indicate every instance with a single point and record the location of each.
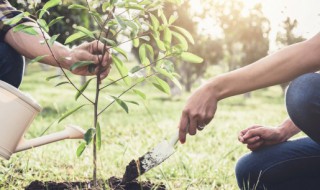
(185, 112)
(194, 114)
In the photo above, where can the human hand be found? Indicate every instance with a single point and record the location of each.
(92, 51)
(198, 111)
(256, 137)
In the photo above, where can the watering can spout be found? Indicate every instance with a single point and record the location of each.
(70, 132)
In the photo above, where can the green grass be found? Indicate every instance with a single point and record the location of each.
(206, 161)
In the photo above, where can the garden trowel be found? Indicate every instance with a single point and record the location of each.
(151, 159)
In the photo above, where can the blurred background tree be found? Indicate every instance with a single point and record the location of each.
(243, 34)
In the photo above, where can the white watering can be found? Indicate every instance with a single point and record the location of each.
(17, 112)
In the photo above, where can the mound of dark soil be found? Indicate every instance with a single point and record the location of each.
(114, 183)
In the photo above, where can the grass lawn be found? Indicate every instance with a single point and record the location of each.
(206, 161)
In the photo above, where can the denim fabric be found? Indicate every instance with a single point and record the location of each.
(11, 65)
(292, 165)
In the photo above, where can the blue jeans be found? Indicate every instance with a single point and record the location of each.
(11, 65)
(292, 165)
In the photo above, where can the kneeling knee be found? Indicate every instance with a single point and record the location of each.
(247, 173)
(302, 95)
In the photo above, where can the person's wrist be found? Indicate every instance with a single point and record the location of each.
(64, 57)
(282, 133)
(216, 87)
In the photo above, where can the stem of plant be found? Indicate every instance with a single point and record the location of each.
(96, 103)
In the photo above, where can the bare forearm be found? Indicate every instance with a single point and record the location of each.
(277, 68)
(288, 129)
(32, 46)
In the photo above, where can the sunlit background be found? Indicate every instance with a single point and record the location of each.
(307, 13)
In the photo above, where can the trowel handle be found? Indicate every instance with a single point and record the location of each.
(174, 138)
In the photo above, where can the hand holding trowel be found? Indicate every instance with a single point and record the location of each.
(151, 159)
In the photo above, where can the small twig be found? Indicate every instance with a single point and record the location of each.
(59, 64)
(126, 92)
(113, 82)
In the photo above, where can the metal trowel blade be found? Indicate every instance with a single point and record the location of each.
(151, 159)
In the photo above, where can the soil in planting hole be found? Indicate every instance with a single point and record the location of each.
(114, 183)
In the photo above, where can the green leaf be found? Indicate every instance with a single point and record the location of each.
(70, 112)
(98, 135)
(185, 33)
(190, 57)
(167, 38)
(75, 36)
(52, 77)
(155, 22)
(14, 20)
(161, 85)
(172, 19)
(110, 42)
(163, 18)
(80, 64)
(53, 39)
(54, 21)
(134, 6)
(105, 5)
(120, 22)
(146, 38)
(121, 51)
(62, 83)
(81, 148)
(132, 25)
(139, 93)
(85, 31)
(37, 59)
(121, 68)
(25, 29)
(121, 103)
(77, 6)
(132, 102)
(48, 5)
(164, 72)
(142, 53)
(150, 51)
(88, 136)
(43, 25)
(135, 42)
(83, 88)
(176, 82)
(159, 43)
(183, 42)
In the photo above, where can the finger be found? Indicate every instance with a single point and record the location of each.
(240, 138)
(252, 133)
(252, 140)
(105, 73)
(183, 127)
(200, 126)
(243, 132)
(193, 127)
(255, 146)
(96, 47)
(86, 56)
